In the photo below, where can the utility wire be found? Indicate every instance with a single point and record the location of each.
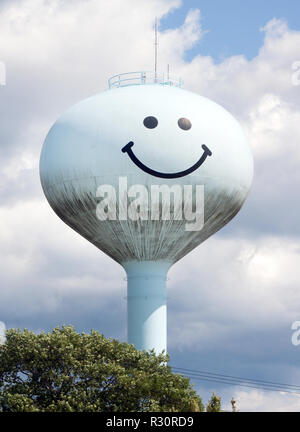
(236, 383)
(239, 381)
(243, 385)
(237, 378)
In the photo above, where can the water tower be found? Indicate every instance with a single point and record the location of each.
(146, 171)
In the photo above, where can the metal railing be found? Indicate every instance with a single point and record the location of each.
(141, 78)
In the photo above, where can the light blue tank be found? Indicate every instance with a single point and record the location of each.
(129, 167)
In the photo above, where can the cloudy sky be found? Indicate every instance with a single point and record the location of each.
(232, 301)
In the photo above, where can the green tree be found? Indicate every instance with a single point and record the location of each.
(67, 371)
(214, 404)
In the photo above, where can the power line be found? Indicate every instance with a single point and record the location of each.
(243, 385)
(238, 381)
(238, 378)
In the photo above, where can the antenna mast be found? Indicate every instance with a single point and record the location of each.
(155, 44)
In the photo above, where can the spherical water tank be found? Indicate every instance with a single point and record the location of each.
(146, 172)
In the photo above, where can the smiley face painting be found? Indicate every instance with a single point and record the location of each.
(151, 122)
(150, 137)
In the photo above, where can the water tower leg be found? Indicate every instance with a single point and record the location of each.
(147, 304)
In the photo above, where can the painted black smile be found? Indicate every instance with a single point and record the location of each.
(128, 149)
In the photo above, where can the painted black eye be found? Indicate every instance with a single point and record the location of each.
(150, 122)
(184, 123)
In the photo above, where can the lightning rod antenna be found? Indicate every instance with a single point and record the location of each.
(155, 44)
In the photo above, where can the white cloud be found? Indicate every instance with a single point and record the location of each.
(273, 128)
(259, 401)
(33, 241)
(230, 286)
(173, 43)
(75, 46)
(234, 286)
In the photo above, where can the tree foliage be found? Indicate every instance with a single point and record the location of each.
(214, 404)
(67, 371)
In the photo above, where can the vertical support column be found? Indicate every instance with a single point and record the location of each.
(147, 304)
